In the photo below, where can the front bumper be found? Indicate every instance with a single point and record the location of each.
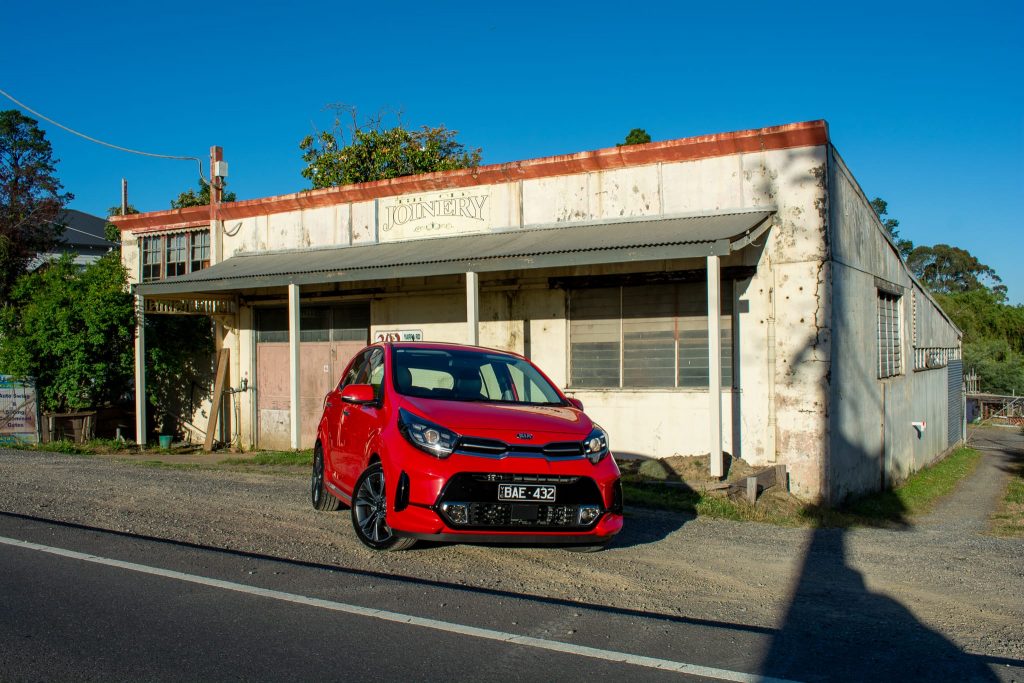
(420, 504)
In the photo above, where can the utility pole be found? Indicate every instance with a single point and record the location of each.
(124, 196)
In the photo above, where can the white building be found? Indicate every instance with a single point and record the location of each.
(602, 267)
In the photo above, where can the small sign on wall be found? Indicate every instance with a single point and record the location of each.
(398, 336)
(19, 411)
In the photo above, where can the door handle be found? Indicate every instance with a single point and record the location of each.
(345, 412)
(329, 404)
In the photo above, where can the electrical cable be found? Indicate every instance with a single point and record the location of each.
(101, 142)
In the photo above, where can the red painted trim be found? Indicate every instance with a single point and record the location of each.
(806, 134)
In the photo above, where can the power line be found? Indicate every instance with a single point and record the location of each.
(101, 142)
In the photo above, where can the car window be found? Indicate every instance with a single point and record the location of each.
(375, 372)
(468, 375)
(527, 388)
(358, 365)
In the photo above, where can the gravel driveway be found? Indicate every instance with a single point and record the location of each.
(939, 588)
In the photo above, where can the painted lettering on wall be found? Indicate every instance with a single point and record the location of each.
(398, 335)
(434, 214)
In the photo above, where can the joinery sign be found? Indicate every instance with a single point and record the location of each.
(433, 214)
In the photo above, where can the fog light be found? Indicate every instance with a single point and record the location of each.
(588, 513)
(458, 513)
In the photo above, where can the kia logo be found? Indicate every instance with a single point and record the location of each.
(524, 436)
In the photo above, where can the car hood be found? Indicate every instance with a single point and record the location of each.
(505, 420)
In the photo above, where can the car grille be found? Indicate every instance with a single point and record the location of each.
(471, 445)
(502, 515)
(478, 493)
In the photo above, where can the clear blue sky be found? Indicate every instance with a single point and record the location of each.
(924, 101)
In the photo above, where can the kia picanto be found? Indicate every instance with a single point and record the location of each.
(444, 442)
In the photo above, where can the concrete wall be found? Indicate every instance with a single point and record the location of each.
(872, 441)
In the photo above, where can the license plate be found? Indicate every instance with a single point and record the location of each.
(526, 492)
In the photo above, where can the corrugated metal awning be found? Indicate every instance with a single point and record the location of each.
(577, 244)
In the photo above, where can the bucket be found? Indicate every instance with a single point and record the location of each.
(165, 441)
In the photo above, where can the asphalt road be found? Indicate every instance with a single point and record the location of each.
(115, 606)
(111, 571)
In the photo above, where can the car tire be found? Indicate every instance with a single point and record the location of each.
(589, 548)
(369, 509)
(318, 493)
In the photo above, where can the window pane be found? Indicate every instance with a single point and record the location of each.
(152, 258)
(271, 325)
(693, 334)
(648, 336)
(890, 361)
(351, 322)
(200, 257)
(594, 337)
(176, 246)
(314, 323)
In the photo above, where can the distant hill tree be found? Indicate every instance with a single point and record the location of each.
(199, 198)
(891, 225)
(637, 136)
(111, 231)
(31, 197)
(945, 269)
(359, 153)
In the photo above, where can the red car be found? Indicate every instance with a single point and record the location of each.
(458, 443)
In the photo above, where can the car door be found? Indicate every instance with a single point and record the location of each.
(335, 412)
(360, 423)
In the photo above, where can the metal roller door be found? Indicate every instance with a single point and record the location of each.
(955, 376)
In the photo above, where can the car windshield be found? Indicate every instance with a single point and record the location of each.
(462, 375)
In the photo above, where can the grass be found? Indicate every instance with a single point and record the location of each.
(286, 458)
(1008, 519)
(916, 496)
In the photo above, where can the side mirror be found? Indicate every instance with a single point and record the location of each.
(576, 402)
(359, 394)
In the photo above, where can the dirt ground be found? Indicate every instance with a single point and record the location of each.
(940, 581)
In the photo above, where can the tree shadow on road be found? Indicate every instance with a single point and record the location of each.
(838, 629)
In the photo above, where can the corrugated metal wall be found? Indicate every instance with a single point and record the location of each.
(955, 375)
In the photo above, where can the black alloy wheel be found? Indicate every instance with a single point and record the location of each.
(318, 493)
(369, 512)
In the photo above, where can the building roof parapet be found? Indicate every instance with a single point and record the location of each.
(805, 134)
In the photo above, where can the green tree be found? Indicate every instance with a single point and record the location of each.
(200, 197)
(945, 269)
(31, 200)
(71, 329)
(375, 152)
(891, 226)
(110, 231)
(637, 136)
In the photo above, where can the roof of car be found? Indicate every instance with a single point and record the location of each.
(443, 346)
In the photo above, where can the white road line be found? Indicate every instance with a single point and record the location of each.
(434, 624)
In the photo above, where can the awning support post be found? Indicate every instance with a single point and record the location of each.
(717, 465)
(293, 362)
(473, 308)
(140, 370)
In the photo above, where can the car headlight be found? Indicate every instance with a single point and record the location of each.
(425, 435)
(595, 446)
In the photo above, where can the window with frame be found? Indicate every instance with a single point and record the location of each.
(890, 348)
(348, 321)
(650, 336)
(152, 261)
(176, 257)
(175, 254)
